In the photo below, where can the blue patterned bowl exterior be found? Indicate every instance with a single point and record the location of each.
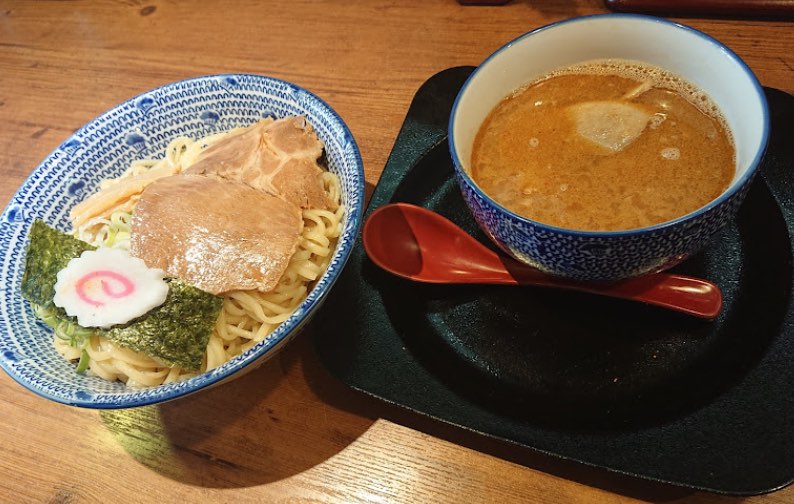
(587, 255)
(141, 128)
(592, 256)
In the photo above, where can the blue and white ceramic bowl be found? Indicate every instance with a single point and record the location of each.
(142, 128)
(605, 256)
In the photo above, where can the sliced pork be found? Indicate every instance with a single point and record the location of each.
(218, 235)
(278, 157)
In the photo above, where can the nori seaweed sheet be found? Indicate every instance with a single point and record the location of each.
(48, 253)
(177, 331)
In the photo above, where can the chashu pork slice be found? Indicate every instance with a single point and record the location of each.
(278, 157)
(217, 235)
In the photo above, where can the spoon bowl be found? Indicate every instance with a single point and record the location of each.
(420, 245)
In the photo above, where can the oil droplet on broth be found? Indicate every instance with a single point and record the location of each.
(671, 153)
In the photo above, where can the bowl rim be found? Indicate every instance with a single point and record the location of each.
(282, 334)
(660, 227)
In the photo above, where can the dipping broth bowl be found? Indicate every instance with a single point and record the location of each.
(611, 255)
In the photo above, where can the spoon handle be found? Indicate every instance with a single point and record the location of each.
(690, 295)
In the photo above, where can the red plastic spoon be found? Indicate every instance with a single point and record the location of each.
(418, 244)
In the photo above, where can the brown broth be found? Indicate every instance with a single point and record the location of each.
(530, 157)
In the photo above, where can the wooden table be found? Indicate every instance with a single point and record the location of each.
(288, 432)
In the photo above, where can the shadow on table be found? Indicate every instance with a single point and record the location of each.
(291, 415)
(327, 389)
(262, 427)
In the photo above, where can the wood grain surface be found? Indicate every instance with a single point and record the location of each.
(287, 432)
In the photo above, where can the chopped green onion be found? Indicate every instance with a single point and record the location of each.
(64, 329)
(46, 315)
(118, 231)
(82, 365)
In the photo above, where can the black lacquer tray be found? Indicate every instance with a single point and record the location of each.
(609, 383)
